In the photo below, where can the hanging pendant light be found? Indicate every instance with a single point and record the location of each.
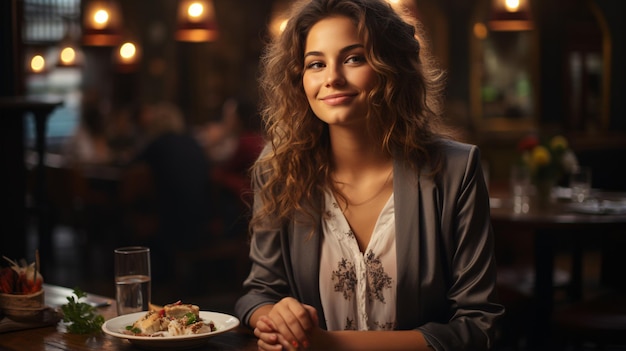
(196, 21)
(510, 15)
(36, 61)
(102, 23)
(69, 56)
(127, 56)
(70, 53)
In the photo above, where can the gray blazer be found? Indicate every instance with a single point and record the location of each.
(444, 243)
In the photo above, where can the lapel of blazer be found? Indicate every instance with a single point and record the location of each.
(305, 255)
(406, 189)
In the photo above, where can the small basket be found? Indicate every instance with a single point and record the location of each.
(23, 307)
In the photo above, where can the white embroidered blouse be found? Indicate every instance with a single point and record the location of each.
(358, 290)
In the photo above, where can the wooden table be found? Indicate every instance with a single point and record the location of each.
(55, 337)
(549, 226)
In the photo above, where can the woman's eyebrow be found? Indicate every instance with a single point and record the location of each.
(346, 49)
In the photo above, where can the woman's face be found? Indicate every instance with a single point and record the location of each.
(337, 79)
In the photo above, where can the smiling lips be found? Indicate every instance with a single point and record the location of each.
(338, 99)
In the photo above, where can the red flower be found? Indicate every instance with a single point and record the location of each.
(527, 143)
(8, 277)
(24, 279)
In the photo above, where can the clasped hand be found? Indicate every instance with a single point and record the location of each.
(289, 325)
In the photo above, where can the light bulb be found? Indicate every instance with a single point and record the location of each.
(195, 10)
(128, 51)
(37, 63)
(101, 19)
(68, 55)
(512, 5)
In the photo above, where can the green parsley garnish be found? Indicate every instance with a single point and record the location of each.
(133, 330)
(80, 316)
(191, 318)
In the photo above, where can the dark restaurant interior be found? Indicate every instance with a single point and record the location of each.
(152, 148)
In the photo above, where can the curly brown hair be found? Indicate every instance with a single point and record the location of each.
(403, 118)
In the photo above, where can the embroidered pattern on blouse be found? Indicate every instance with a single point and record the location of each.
(346, 278)
(385, 325)
(350, 325)
(350, 234)
(377, 278)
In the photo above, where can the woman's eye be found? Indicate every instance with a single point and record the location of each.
(314, 65)
(356, 59)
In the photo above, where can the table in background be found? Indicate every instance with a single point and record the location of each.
(549, 225)
(13, 111)
(55, 337)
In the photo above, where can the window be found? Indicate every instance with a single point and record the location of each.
(46, 24)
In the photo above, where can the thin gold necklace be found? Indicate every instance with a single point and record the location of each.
(345, 198)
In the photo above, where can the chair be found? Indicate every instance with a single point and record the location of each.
(599, 321)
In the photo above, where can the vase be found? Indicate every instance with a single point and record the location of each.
(543, 192)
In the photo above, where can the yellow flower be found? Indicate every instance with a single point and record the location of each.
(547, 161)
(558, 142)
(540, 156)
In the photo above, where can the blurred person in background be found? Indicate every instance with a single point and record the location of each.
(89, 143)
(166, 189)
(233, 144)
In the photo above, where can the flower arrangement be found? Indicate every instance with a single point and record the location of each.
(548, 160)
(21, 278)
(21, 292)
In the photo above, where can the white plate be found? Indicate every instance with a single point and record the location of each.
(600, 207)
(115, 326)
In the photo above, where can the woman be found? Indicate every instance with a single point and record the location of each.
(370, 228)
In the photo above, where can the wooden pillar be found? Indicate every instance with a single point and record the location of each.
(13, 183)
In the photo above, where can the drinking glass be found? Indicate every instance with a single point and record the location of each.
(520, 188)
(132, 279)
(580, 183)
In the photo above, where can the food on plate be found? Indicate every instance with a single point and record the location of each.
(180, 310)
(172, 320)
